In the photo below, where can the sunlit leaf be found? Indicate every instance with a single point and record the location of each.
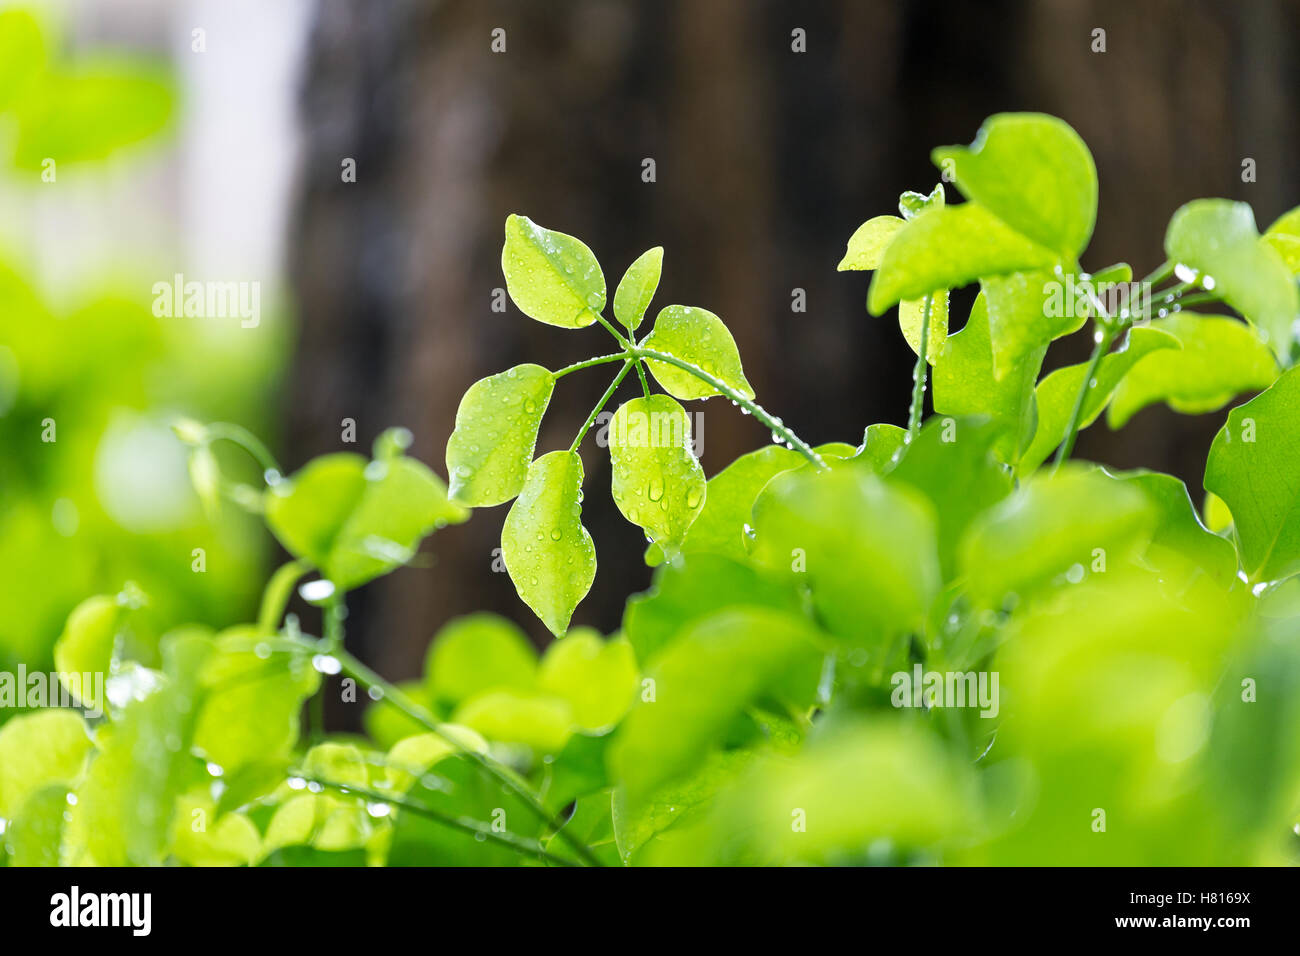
(548, 553)
(699, 337)
(1254, 466)
(637, 287)
(1058, 392)
(1218, 239)
(552, 277)
(489, 451)
(1220, 359)
(1034, 173)
(657, 482)
(475, 653)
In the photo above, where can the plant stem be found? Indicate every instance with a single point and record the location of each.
(640, 371)
(598, 360)
(368, 678)
(776, 425)
(276, 596)
(920, 373)
(464, 824)
(1105, 336)
(627, 366)
(622, 340)
(241, 436)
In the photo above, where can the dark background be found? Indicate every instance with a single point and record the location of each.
(767, 160)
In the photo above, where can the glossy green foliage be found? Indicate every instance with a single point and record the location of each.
(496, 431)
(1056, 395)
(699, 337)
(1034, 173)
(547, 551)
(553, 278)
(356, 520)
(1220, 359)
(657, 482)
(1218, 240)
(1253, 467)
(1104, 678)
(637, 288)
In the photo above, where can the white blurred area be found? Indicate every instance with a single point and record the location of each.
(211, 197)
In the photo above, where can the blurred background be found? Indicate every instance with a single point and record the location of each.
(211, 138)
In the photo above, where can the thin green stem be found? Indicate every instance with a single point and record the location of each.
(640, 371)
(622, 373)
(919, 374)
(621, 339)
(368, 678)
(598, 360)
(775, 424)
(464, 824)
(276, 596)
(241, 436)
(1104, 337)
(1159, 274)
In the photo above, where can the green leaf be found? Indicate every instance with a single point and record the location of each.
(1049, 525)
(201, 836)
(356, 521)
(1179, 536)
(492, 445)
(702, 682)
(553, 278)
(86, 647)
(951, 463)
(693, 588)
(547, 552)
(699, 337)
(39, 749)
(598, 678)
(720, 526)
(866, 549)
(674, 807)
(1033, 172)
(965, 384)
(947, 247)
(1220, 359)
(1218, 239)
(881, 443)
(475, 653)
(637, 287)
(542, 722)
(1057, 392)
(35, 834)
(455, 787)
(868, 243)
(126, 801)
(1027, 311)
(90, 112)
(402, 501)
(910, 314)
(1284, 237)
(306, 512)
(250, 704)
(1254, 466)
(592, 824)
(657, 482)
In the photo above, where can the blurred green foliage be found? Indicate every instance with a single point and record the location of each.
(93, 487)
(930, 647)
